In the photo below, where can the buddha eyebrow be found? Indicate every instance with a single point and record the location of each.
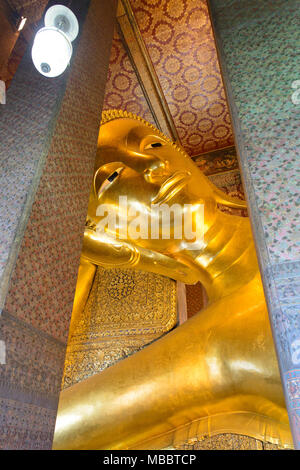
(113, 176)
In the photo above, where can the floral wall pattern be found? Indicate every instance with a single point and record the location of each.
(180, 42)
(123, 90)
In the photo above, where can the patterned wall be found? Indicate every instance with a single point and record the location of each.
(32, 9)
(123, 90)
(179, 39)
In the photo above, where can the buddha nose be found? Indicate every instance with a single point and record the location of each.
(158, 172)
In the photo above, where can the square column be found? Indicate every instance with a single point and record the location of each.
(48, 133)
(257, 49)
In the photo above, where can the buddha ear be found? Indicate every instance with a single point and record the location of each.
(225, 200)
(95, 182)
(103, 173)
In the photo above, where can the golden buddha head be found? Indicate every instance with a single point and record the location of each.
(137, 162)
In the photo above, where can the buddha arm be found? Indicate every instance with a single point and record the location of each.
(111, 253)
(86, 274)
(220, 361)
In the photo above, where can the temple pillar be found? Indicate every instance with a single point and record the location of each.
(48, 134)
(256, 45)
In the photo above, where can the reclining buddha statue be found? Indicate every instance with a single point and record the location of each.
(215, 373)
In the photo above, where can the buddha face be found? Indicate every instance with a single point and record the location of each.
(137, 163)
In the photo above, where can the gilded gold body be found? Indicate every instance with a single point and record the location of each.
(215, 373)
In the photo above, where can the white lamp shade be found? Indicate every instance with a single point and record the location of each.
(51, 51)
(63, 18)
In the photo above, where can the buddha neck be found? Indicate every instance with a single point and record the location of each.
(227, 258)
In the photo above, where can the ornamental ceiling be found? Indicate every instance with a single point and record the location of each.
(163, 67)
(123, 90)
(186, 98)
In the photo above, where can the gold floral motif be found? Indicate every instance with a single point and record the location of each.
(125, 311)
(228, 442)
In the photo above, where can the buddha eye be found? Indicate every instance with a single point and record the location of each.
(109, 180)
(113, 176)
(156, 144)
(153, 145)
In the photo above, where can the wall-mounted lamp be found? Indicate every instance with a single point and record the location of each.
(52, 48)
